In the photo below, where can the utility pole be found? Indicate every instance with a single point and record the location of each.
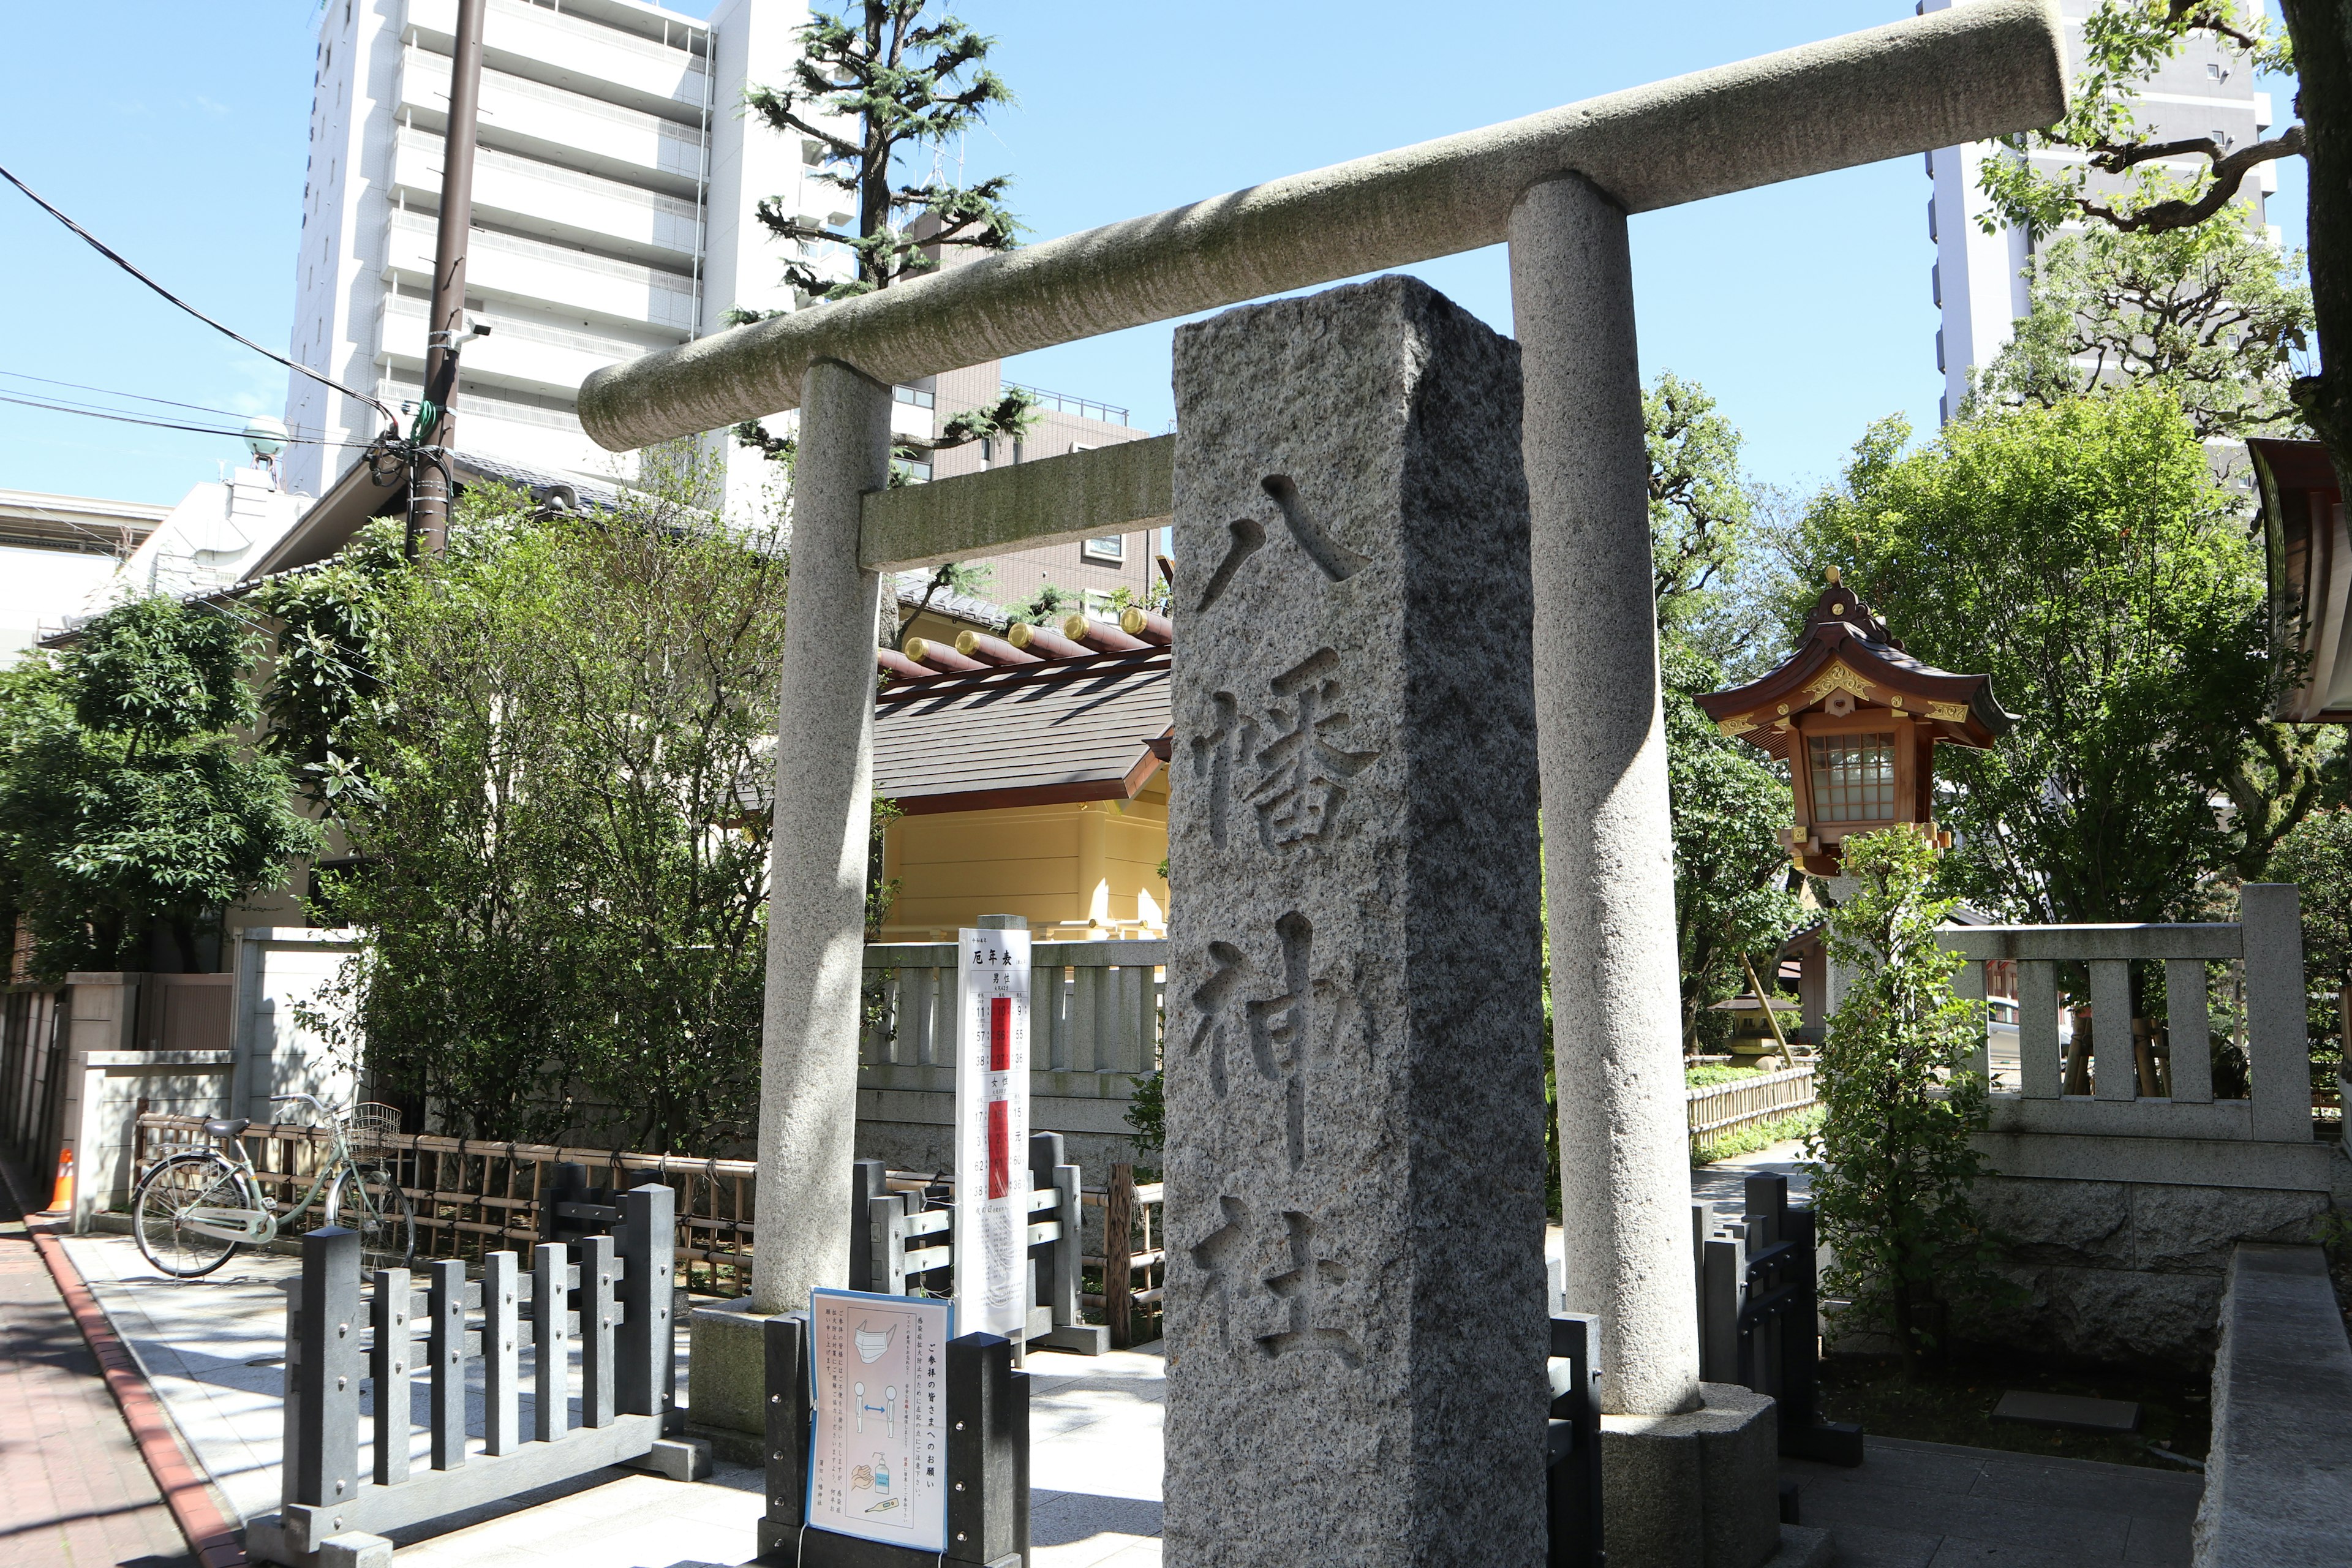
(446, 329)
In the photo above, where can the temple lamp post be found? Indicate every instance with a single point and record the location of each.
(1857, 719)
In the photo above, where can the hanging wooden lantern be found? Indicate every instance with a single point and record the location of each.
(1857, 719)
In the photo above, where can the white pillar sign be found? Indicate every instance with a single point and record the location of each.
(992, 1132)
(878, 1454)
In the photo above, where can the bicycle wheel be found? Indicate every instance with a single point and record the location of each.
(167, 1192)
(368, 1200)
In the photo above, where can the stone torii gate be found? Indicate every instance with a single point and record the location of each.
(1557, 186)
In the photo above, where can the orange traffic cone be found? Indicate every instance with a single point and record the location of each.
(61, 1195)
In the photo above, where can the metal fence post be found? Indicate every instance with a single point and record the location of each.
(501, 1382)
(596, 1298)
(1573, 1453)
(390, 1363)
(329, 1313)
(985, 1436)
(448, 1349)
(644, 1362)
(551, 1346)
(868, 1180)
(787, 1431)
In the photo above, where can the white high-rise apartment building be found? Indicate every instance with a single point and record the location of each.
(1978, 279)
(613, 198)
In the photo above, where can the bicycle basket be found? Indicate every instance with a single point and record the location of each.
(372, 1126)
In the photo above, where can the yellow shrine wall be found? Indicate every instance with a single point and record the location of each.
(1080, 871)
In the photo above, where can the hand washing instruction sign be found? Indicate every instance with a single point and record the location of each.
(992, 1132)
(878, 1455)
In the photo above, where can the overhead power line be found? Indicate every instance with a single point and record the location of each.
(112, 255)
(138, 397)
(89, 412)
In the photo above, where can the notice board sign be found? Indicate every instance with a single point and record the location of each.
(878, 1452)
(992, 1132)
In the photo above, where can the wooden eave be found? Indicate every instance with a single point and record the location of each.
(1837, 655)
(1044, 734)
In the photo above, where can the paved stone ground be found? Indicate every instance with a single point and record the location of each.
(74, 1493)
(1724, 1183)
(1927, 1505)
(1094, 1458)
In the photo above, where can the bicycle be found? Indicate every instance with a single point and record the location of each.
(192, 1211)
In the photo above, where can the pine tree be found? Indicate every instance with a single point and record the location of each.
(905, 85)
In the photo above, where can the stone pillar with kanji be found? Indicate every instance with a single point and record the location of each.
(1354, 1079)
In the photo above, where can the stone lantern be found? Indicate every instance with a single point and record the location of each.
(1857, 719)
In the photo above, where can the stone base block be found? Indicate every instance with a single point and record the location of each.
(355, 1549)
(1696, 1490)
(679, 1458)
(727, 1381)
(1803, 1548)
(1078, 1339)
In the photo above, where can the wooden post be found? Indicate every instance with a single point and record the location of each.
(1771, 1019)
(1118, 1268)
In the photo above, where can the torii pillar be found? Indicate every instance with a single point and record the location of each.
(1556, 186)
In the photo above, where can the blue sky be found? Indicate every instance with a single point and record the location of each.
(1804, 308)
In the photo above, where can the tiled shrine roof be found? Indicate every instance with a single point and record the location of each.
(1847, 648)
(1035, 717)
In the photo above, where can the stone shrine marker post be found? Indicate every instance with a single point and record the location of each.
(1356, 1320)
(1683, 1462)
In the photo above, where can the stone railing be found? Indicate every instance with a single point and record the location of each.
(1095, 1015)
(2137, 1082)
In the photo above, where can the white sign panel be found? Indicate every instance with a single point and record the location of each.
(878, 1455)
(992, 1132)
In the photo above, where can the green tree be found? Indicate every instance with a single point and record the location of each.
(1731, 871)
(1893, 1162)
(2084, 556)
(2213, 314)
(2318, 857)
(871, 93)
(562, 847)
(130, 807)
(2119, 173)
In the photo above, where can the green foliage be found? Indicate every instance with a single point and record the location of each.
(561, 873)
(323, 680)
(2084, 554)
(1755, 1135)
(1731, 871)
(881, 892)
(128, 807)
(1900, 1100)
(1147, 1113)
(1009, 418)
(2213, 314)
(2318, 857)
(1047, 605)
(1699, 506)
(1705, 1075)
(2119, 174)
(905, 84)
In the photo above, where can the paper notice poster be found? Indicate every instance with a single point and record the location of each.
(992, 1132)
(879, 1456)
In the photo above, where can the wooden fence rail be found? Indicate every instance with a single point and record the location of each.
(1720, 1109)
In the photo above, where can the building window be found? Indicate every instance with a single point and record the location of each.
(1112, 549)
(1854, 777)
(914, 396)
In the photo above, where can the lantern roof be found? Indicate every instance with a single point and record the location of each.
(1846, 647)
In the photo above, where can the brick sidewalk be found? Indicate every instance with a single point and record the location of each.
(73, 1489)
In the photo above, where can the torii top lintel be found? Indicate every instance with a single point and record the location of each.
(1950, 76)
(1846, 650)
